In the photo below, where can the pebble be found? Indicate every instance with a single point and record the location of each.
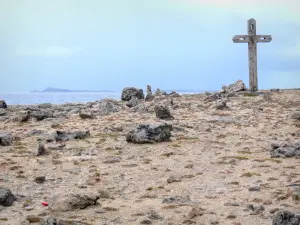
(40, 179)
(173, 178)
(33, 219)
(254, 188)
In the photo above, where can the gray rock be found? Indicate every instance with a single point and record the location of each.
(107, 106)
(275, 89)
(162, 112)
(41, 150)
(132, 102)
(149, 96)
(34, 132)
(149, 134)
(177, 200)
(221, 104)
(130, 92)
(40, 179)
(159, 92)
(2, 112)
(296, 115)
(254, 188)
(63, 202)
(235, 87)
(3, 104)
(5, 139)
(6, 197)
(286, 218)
(285, 150)
(173, 94)
(44, 106)
(21, 116)
(86, 115)
(41, 115)
(66, 135)
(56, 221)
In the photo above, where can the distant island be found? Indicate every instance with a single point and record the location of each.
(50, 89)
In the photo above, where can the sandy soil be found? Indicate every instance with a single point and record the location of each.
(216, 166)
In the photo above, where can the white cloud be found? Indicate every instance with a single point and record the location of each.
(52, 51)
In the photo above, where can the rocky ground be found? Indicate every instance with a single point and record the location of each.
(222, 158)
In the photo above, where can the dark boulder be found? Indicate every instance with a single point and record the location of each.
(285, 150)
(149, 134)
(130, 92)
(5, 139)
(286, 218)
(3, 104)
(67, 136)
(162, 112)
(6, 197)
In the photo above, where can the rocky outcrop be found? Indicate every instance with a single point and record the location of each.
(285, 150)
(286, 218)
(63, 202)
(6, 197)
(162, 112)
(5, 139)
(149, 96)
(235, 87)
(132, 102)
(129, 92)
(159, 92)
(67, 135)
(3, 104)
(149, 134)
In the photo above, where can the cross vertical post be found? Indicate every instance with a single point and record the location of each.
(252, 40)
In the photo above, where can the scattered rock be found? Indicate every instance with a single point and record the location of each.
(3, 104)
(149, 134)
(21, 116)
(286, 218)
(146, 221)
(285, 150)
(149, 96)
(41, 115)
(63, 202)
(86, 115)
(5, 139)
(40, 179)
(177, 200)
(221, 104)
(173, 179)
(67, 136)
(254, 188)
(132, 102)
(296, 115)
(159, 92)
(45, 106)
(34, 132)
(108, 106)
(162, 112)
(235, 87)
(275, 89)
(6, 197)
(41, 150)
(2, 112)
(130, 92)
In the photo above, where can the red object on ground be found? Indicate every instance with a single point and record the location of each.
(45, 203)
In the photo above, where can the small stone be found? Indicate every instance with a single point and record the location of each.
(254, 188)
(3, 104)
(5, 139)
(272, 211)
(173, 178)
(231, 216)
(146, 221)
(162, 112)
(40, 179)
(41, 150)
(296, 115)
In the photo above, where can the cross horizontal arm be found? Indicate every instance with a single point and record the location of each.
(263, 38)
(241, 39)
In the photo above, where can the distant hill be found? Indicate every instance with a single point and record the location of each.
(50, 89)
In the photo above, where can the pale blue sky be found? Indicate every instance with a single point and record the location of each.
(170, 44)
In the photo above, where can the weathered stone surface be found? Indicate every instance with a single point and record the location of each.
(132, 102)
(162, 112)
(221, 104)
(63, 202)
(41, 150)
(285, 150)
(21, 116)
(130, 92)
(159, 92)
(3, 104)
(44, 106)
(286, 218)
(149, 134)
(57, 221)
(173, 94)
(235, 87)
(5, 139)
(86, 115)
(66, 135)
(6, 197)
(108, 106)
(149, 96)
(41, 115)
(296, 115)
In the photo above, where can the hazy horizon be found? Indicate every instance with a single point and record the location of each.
(169, 44)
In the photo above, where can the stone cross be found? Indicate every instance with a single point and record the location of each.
(252, 39)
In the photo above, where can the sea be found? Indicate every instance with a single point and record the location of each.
(33, 98)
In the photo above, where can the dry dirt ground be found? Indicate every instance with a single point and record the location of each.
(216, 169)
